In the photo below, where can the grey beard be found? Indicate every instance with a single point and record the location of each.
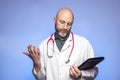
(62, 34)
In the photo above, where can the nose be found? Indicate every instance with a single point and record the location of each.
(65, 26)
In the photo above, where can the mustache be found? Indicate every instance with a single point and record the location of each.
(62, 30)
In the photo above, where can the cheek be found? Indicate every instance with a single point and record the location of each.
(58, 27)
(69, 28)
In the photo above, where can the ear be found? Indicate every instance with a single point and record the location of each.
(55, 19)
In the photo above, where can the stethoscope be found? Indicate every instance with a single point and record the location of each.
(50, 55)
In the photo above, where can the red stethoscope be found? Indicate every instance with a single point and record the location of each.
(50, 55)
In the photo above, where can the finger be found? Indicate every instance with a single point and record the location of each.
(29, 50)
(27, 54)
(76, 69)
(38, 51)
(34, 49)
(72, 71)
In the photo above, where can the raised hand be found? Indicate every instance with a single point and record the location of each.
(34, 54)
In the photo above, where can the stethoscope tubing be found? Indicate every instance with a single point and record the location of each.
(51, 39)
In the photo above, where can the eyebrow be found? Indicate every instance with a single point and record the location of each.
(68, 23)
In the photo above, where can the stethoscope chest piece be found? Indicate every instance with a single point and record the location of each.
(68, 60)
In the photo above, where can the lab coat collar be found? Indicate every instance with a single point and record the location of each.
(67, 44)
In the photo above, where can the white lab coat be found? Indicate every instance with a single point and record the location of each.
(55, 68)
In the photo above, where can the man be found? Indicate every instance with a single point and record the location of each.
(59, 56)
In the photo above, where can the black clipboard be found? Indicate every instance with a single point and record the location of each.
(90, 63)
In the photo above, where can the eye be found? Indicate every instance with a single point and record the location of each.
(69, 24)
(62, 22)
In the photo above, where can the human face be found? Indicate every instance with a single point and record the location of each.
(63, 24)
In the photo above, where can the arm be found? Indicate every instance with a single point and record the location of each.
(34, 54)
(89, 74)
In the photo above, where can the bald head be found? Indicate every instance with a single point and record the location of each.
(65, 12)
(63, 21)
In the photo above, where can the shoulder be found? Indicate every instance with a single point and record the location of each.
(80, 38)
(44, 41)
(82, 41)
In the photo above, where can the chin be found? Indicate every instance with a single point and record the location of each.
(62, 34)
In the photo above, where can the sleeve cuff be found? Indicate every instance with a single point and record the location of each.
(39, 75)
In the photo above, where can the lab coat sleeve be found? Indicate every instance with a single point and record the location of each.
(89, 74)
(41, 74)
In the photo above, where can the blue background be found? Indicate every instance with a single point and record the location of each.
(24, 22)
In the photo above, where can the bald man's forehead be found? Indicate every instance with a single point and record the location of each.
(66, 15)
(64, 11)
